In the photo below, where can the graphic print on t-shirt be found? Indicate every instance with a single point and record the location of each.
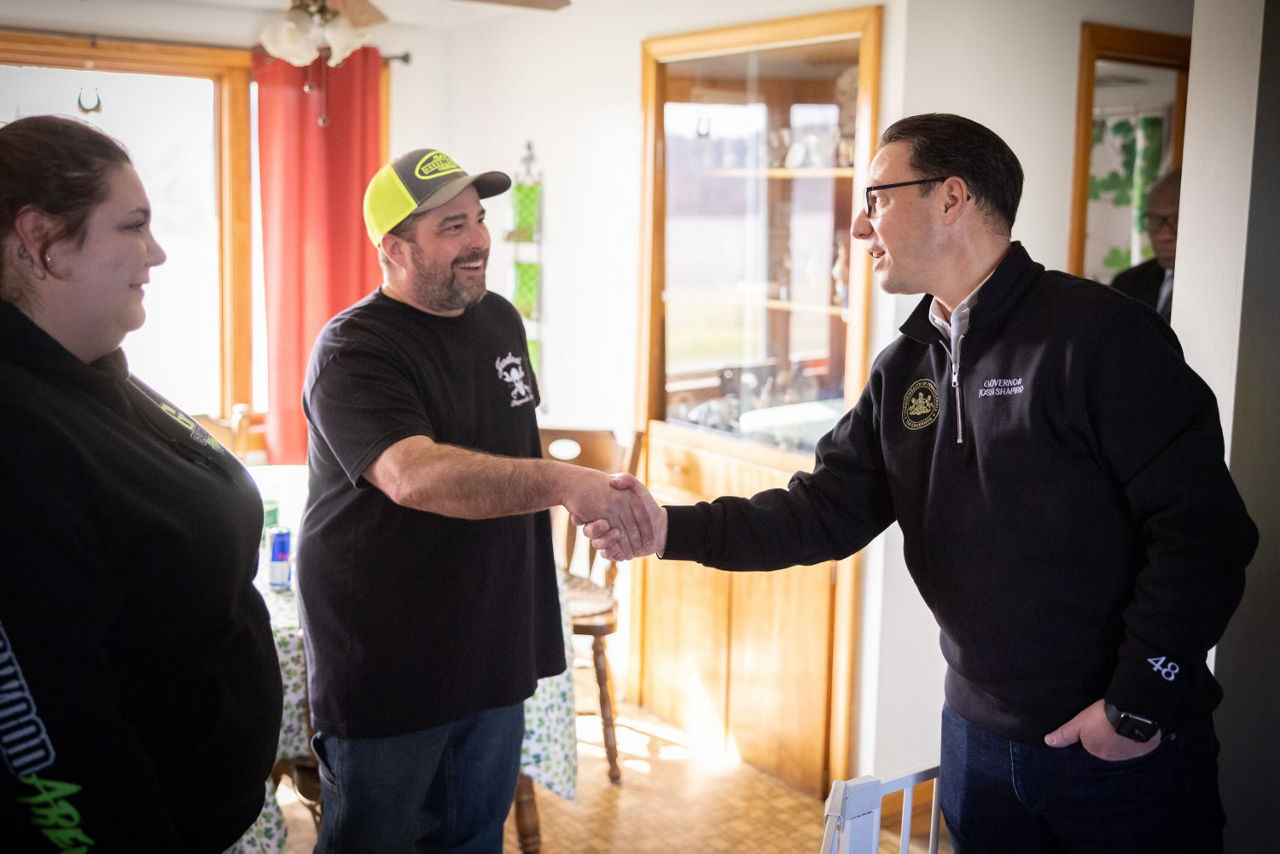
(511, 371)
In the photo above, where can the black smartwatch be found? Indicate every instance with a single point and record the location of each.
(1130, 725)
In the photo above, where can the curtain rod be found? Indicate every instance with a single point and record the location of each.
(93, 38)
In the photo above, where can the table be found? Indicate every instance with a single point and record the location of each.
(550, 751)
(267, 835)
(550, 741)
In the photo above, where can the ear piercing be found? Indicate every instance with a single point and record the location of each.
(22, 253)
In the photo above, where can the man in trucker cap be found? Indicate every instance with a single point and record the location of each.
(425, 569)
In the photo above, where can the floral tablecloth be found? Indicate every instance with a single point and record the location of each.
(550, 753)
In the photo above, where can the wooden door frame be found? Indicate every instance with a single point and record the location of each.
(1098, 41)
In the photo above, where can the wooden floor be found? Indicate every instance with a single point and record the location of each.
(672, 798)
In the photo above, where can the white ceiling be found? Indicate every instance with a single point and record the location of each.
(433, 14)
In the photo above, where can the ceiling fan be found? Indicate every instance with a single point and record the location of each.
(528, 4)
(338, 26)
(363, 13)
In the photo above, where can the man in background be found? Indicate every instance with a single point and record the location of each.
(1057, 471)
(1152, 281)
(425, 569)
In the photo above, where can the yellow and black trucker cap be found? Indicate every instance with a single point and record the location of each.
(420, 180)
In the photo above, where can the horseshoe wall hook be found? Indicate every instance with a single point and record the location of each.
(97, 104)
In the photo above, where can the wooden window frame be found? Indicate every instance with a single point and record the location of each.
(229, 69)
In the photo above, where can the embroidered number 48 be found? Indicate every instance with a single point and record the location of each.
(1168, 671)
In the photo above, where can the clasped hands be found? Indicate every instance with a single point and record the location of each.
(622, 522)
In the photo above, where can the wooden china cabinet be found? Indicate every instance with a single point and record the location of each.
(753, 343)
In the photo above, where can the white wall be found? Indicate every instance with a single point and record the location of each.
(1226, 314)
(1012, 65)
(1222, 92)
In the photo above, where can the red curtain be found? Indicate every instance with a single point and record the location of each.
(316, 257)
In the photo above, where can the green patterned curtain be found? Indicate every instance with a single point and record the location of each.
(1127, 153)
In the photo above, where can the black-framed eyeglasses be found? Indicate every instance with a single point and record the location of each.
(871, 209)
(1154, 222)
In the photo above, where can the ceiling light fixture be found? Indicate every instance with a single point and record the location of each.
(309, 26)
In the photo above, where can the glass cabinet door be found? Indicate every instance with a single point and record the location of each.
(752, 245)
(752, 325)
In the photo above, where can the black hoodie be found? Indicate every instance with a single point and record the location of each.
(1065, 508)
(140, 693)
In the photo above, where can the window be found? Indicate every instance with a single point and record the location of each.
(197, 345)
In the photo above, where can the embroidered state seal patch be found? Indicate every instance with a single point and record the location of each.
(920, 405)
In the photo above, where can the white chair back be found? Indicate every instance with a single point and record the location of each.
(852, 816)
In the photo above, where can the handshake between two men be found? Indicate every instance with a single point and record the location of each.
(621, 518)
(627, 525)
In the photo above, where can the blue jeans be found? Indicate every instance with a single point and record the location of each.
(444, 789)
(1007, 796)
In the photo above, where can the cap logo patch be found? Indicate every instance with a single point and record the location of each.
(434, 165)
(920, 405)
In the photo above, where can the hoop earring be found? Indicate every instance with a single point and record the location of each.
(22, 254)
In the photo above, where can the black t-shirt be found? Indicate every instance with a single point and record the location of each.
(414, 619)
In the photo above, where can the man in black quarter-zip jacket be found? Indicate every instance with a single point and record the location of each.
(1057, 472)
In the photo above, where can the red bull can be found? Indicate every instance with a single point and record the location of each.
(279, 557)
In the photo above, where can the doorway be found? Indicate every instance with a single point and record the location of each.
(1130, 114)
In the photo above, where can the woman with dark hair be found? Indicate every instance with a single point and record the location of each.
(139, 689)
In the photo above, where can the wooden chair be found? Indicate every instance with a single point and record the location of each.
(592, 606)
(304, 772)
(248, 433)
(528, 826)
(852, 815)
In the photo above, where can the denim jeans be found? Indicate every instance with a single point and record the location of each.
(444, 789)
(1010, 797)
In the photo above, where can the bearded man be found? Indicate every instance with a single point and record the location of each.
(425, 570)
